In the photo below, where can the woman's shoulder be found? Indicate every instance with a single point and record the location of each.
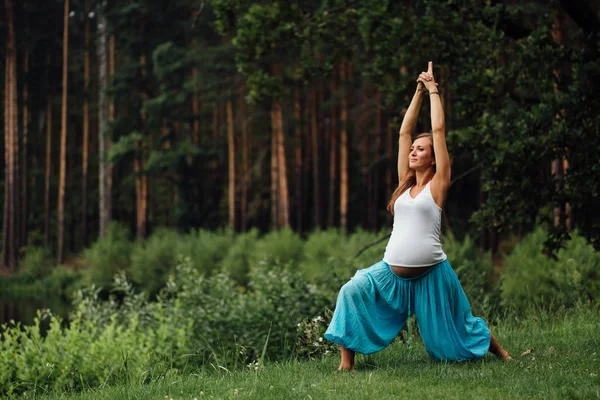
(437, 191)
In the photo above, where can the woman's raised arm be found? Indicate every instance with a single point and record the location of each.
(406, 130)
(441, 179)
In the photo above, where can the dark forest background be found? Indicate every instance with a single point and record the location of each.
(229, 113)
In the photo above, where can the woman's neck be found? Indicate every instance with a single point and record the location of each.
(423, 177)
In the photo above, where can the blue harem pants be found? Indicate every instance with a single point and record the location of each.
(375, 304)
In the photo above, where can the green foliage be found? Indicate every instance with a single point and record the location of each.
(324, 256)
(199, 317)
(474, 268)
(283, 246)
(37, 262)
(330, 256)
(531, 278)
(562, 366)
(311, 342)
(206, 248)
(195, 320)
(110, 254)
(363, 240)
(238, 258)
(62, 281)
(153, 259)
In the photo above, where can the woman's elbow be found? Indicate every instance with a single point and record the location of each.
(438, 129)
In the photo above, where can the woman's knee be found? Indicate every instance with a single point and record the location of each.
(354, 287)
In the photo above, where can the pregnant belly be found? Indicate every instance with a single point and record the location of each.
(408, 272)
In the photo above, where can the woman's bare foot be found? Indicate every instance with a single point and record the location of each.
(504, 355)
(347, 363)
(496, 349)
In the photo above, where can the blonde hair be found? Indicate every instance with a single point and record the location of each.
(410, 179)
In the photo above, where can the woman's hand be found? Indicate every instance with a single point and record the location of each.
(421, 89)
(427, 79)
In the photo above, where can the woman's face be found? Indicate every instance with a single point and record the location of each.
(421, 154)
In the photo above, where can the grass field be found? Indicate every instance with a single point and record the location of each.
(564, 364)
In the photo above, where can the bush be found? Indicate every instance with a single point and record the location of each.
(110, 254)
(323, 257)
(530, 278)
(152, 260)
(62, 281)
(358, 241)
(237, 260)
(205, 248)
(195, 320)
(284, 246)
(330, 257)
(474, 268)
(37, 262)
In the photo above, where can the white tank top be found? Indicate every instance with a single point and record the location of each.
(415, 240)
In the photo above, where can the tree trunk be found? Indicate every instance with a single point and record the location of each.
(323, 140)
(284, 209)
(86, 125)
(314, 141)
(558, 175)
(391, 168)
(7, 148)
(245, 161)
(108, 140)
(345, 72)
(141, 179)
(220, 121)
(102, 120)
(9, 241)
(48, 168)
(298, 160)
(24, 187)
(14, 118)
(561, 213)
(215, 119)
(63, 138)
(196, 110)
(333, 149)
(375, 206)
(231, 157)
(274, 171)
(365, 131)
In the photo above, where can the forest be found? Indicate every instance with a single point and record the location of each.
(196, 179)
(194, 114)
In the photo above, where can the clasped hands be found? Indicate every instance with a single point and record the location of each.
(426, 81)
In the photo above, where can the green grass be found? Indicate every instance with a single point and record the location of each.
(565, 364)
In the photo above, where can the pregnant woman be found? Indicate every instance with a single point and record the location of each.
(414, 274)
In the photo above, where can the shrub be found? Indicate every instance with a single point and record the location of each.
(110, 254)
(236, 262)
(580, 263)
(474, 268)
(283, 246)
(330, 253)
(37, 262)
(324, 256)
(311, 342)
(196, 319)
(62, 281)
(152, 260)
(205, 248)
(358, 242)
(530, 278)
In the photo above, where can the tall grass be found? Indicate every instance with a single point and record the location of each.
(555, 357)
(210, 300)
